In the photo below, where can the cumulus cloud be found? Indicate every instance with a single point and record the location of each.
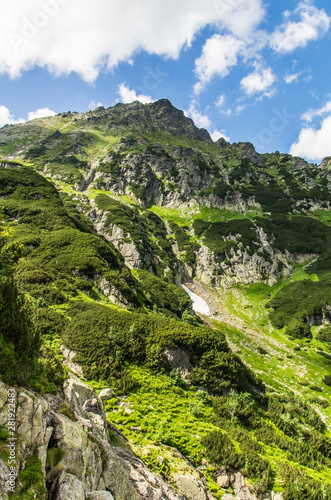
(259, 81)
(239, 16)
(203, 121)
(312, 24)
(6, 118)
(200, 120)
(219, 54)
(86, 37)
(314, 143)
(127, 95)
(217, 134)
(40, 113)
(220, 105)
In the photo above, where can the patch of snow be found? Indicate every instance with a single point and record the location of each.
(199, 304)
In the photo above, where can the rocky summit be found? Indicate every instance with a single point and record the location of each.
(123, 390)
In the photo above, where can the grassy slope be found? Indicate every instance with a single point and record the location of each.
(287, 365)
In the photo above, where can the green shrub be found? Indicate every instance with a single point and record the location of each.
(327, 380)
(298, 486)
(220, 450)
(324, 335)
(157, 464)
(295, 302)
(104, 338)
(164, 295)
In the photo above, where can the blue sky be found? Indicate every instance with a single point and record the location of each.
(247, 70)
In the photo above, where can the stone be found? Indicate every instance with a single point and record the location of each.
(92, 406)
(191, 487)
(42, 450)
(178, 358)
(69, 361)
(31, 419)
(3, 403)
(79, 449)
(127, 477)
(223, 481)
(77, 393)
(84, 403)
(99, 495)
(106, 394)
(241, 488)
(4, 474)
(68, 487)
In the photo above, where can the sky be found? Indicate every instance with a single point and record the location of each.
(246, 70)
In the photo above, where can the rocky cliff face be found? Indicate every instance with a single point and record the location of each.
(74, 456)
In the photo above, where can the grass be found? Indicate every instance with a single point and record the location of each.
(249, 330)
(185, 218)
(165, 414)
(323, 216)
(93, 193)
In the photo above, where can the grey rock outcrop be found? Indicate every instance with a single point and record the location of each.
(88, 466)
(105, 394)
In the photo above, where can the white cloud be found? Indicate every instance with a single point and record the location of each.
(203, 121)
(86, 37)
(218, 134)
(219, 54)
(200, 120)
(40, 113)
(293, 77)
(240, 108)
(93, 104)
(127, 95)
(314, 144)
(311, 113)
(259, 81)
(6, 118)
(239, 16)
(312, 25)
(220, 101)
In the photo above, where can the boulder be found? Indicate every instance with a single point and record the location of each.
(106, 394)
(84, 403)
(223, 481)
(67, 487)
(92, 406)
(192, 487)
(100, 495)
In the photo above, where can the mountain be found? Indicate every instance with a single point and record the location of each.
(107, 213)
